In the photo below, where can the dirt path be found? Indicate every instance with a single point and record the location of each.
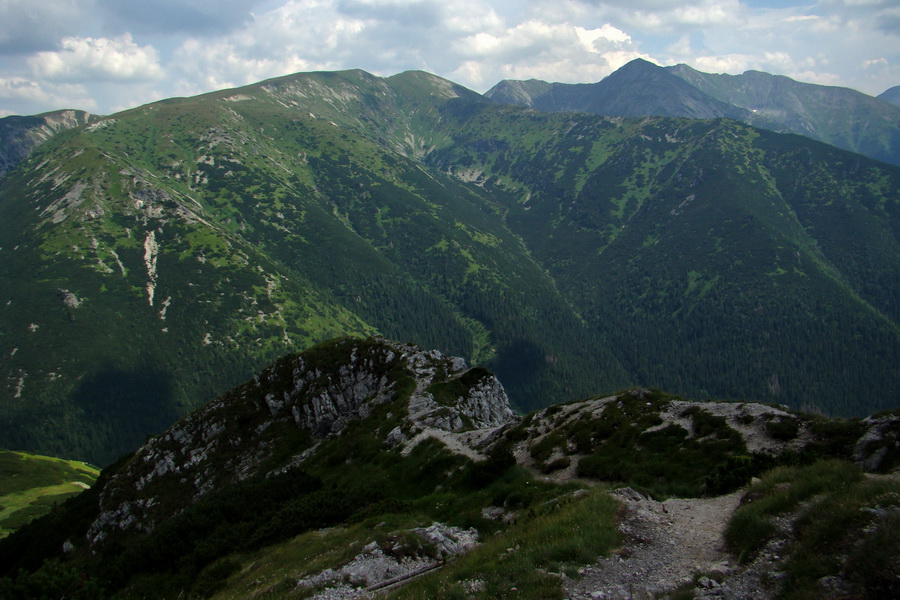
(666, 544)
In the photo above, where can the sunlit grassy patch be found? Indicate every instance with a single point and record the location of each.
(30, 485)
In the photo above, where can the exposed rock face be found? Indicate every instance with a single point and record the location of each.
(21, 135)
(378, 567)
(291, 405)
(881, 442)
(480, 407)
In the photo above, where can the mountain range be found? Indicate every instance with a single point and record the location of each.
(839, 116)
(154, 258)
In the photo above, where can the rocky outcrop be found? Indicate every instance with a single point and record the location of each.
(287, 410)
(549, 439)
(20, 136)
(878, 449)
(381, 566)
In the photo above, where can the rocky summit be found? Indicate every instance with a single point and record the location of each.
(310, 397)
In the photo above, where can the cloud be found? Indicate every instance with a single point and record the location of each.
(20, 91)
(418, 14)
(594, 39)
(19, 88)
(28, 26)
(538, 50)
(874, 62)
(380, 36)
(205, 67)
(97, 60)
(661, 16)
(168, 17)
(119, 50)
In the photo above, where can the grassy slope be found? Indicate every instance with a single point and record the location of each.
(843, 523)
(30, 485)
(839, 116)
(263, 533)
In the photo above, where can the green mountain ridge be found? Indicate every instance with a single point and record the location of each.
(159, 256)
(891, 95)
(637, 89)
(839, 116)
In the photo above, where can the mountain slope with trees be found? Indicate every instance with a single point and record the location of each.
(158, 256)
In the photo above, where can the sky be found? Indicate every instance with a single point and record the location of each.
(108, 55)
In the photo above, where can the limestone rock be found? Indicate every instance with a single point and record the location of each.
(319, 392)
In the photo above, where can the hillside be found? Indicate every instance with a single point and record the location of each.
(360, 465)
(838, 116)
(157, 257)
(703, 249)
(891, 95)
(222, 231)
(19, 136)
(30, 486)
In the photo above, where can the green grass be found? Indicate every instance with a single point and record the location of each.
(617, 446)
(524, 561)
(272, 573)
(779, 492)
(844, 524)
(853, 530)
(30, 485)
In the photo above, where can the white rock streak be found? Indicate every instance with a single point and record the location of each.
(165, 306)
(151, 252)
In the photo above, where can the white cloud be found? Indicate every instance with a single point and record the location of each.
(122, 52)
(589, 38)
(206, 67)
(20, 91)
(98, 60)
(732, 63)
(19, 88)
(874, 62)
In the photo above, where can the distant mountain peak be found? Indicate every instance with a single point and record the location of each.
(891, 95)
(641, 64)
(639, 88)
(835, 115)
